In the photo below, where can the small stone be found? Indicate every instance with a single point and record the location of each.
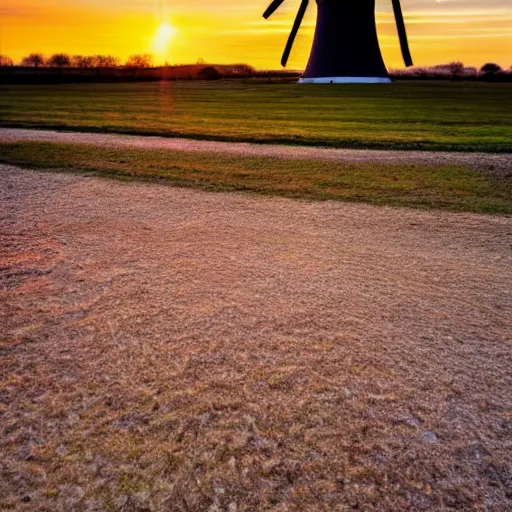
(412, 422)
(429, 438)
(26, 498)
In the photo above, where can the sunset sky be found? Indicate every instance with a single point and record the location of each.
(227, 31)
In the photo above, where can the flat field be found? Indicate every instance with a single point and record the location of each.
(162, 348)
(405, 115)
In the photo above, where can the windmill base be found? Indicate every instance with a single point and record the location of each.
(346, 80)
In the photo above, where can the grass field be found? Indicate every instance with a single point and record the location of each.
(419, 115)
(164, 349)
(402, 184)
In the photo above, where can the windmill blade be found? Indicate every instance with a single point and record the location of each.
(272, 8)
(293, 34)
(402, 33)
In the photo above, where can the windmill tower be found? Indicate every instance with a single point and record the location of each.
(345, 48)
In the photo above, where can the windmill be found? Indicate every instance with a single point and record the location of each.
(345, 48)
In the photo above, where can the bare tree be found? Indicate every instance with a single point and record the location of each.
(6, 61)
(59, 60)
(34, 60)
(456, 69)
(106, 61)
(94, 61)
(82, 61)
(139, 61)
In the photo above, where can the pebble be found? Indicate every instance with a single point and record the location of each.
(429, 438)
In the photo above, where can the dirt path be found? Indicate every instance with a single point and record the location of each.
(497, 163)
(171, 349)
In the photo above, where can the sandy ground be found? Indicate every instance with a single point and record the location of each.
(496, 163)
(171, 349)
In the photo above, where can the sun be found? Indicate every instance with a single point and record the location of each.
(164, 33)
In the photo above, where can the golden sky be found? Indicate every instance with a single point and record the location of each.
(228, 31)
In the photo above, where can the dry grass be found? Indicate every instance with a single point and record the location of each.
(169, 349)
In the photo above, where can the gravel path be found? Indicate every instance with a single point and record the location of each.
(498, 163)
(171, 349)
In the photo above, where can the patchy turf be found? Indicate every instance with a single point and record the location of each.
(167, 349)
(408, 115)
(445, 186)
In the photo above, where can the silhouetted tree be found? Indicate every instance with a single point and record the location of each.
(6, 61)
(94, 61)
(139, 61)
(490, 67)
(82, 61)
(34, 60)
(456, 69)
(59, 60)
(106, 61)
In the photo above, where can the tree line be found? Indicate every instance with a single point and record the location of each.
(453, 70)
(63, 60)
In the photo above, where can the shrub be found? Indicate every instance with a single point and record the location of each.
(490, 67)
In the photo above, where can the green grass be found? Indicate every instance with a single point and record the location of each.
(405, 115)
(413, 185)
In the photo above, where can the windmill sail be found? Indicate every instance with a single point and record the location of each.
(293, 34)
(272, 8)
(402, 33)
